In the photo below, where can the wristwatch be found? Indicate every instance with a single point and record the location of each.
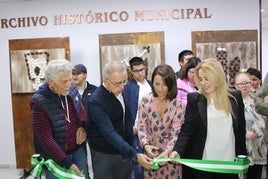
(135, 157)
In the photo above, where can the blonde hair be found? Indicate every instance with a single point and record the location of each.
(216, 76)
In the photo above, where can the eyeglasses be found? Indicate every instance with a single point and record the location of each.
(118, 84)
(138, 71)
(243, 84)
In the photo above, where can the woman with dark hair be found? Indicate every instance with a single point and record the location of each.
(160, 120)
(255, 77)
(185, 82)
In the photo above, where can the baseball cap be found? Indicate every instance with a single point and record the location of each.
(79, 68)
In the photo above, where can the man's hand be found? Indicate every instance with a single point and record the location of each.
(76, 169)
(144, 161)
(81, 135)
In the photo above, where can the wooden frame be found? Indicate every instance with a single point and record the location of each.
(124, 46)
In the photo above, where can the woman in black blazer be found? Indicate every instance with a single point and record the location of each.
(214, 127)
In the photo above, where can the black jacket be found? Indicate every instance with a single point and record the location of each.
(192, 138)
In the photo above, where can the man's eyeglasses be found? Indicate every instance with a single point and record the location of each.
(118, 84)
(138, 71)
(243, 84)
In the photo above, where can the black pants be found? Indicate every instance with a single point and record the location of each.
(110, 166)
(254, 172)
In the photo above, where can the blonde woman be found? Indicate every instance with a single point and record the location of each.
(214, 127)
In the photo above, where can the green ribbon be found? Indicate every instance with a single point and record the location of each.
(240, 164)
(58, 171)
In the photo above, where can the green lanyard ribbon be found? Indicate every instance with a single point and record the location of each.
(240, 164)
(53, 167)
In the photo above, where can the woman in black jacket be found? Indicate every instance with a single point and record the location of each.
(214, 127)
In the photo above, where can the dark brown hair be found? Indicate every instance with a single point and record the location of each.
(191, 63)
(168, 76)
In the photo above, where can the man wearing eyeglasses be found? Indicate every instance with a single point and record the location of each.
(136, 88)
(110, 129)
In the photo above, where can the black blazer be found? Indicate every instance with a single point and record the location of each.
(191, 139)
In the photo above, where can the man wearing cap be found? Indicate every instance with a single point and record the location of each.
(85, 89)
(136, 88)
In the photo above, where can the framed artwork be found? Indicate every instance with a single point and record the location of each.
(122, 47)
(236, 49)
(27, 67)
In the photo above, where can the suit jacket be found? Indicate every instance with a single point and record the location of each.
(107, 132)
(192, 138)
(132, 89)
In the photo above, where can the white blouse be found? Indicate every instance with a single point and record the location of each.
(220, 141)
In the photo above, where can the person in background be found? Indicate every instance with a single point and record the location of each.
(84, 89)
(58, 131)
(255, 77)
(110, 129)
(255, 127)
(183, 57)
(261, 98)
(160, 119)
(136, 88)
(214, 126)
(261, 107)
(185, 82)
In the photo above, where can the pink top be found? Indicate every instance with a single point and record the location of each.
(156, 130)
(184, 87)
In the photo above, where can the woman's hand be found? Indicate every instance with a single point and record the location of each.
(250, 135)
(149, 150)
(174, 154)
(163, 155)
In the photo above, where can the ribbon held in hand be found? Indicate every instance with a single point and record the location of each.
(240, 164)
(62, 173)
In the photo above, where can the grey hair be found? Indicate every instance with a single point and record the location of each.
(111, 67)
(54, 67)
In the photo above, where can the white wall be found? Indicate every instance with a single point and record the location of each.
(84, 45)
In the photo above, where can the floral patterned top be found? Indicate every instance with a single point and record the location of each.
(160, 131)
(255, 122)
